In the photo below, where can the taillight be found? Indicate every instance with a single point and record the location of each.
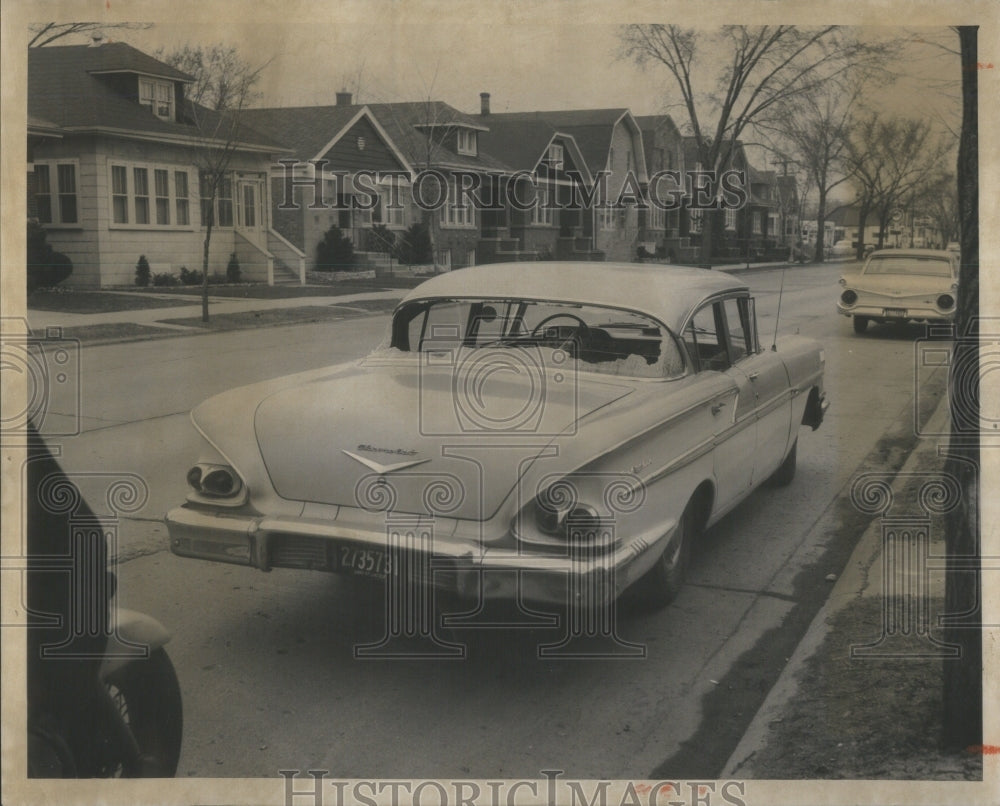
(217, 481)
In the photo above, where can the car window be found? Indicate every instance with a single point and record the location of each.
(739, 343)
(703, 341)
(928, 266)
(609, 341)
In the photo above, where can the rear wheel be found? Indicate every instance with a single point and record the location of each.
(660, 585)
(783, 475)
(860, 324)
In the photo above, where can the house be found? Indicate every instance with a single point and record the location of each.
(610, 145)
(550, 176)
(789, 212)
(115, 152)
(317, 186)
(660, 229)
(752, 230)
(401, 143)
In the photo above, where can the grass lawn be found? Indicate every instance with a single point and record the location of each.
(66, 301)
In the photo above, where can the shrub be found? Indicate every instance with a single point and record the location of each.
(190, 277)
(44, 266)
(335, 252)
(164, 279)
(380, 239)
(142, 272)
(233, 269)
(416, 247)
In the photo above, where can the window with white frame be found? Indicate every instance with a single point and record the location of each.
(772, 223)
(149, 196)
(554, 156)
(696, 220)
(467, 142)
(731, 218)
(541, 213)
(223, 208)
(385, 212)
(657, 218)
(606, 216)
(755, 220)
(158, 96)
(56, 192)
(457, 210)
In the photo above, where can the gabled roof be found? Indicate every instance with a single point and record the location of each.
(412, 126)
(592, 129)
(71, 87)
(650, 124)
(119, 57)
(525, 143)
(310, 131)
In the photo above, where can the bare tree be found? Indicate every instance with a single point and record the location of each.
(937, 200)
(45, 33)
(761, 68)
(224, 85)
(963, 676)
(887, 158)
(812, 131)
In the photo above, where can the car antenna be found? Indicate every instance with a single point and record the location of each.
(777, 316)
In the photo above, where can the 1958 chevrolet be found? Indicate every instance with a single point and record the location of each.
(522, 429)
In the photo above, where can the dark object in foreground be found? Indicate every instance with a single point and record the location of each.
(103, 699)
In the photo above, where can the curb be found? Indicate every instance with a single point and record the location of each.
(854, 582)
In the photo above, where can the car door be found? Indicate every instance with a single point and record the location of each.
(733, 417)
(768, 384)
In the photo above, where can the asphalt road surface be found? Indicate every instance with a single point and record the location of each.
(266, 660)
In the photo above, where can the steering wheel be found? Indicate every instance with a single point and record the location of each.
(577, 336)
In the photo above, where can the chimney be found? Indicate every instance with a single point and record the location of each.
(343, 98)
(484, 103)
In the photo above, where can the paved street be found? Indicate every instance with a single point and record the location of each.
(265, 660)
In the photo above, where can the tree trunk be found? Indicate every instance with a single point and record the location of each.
(862, 224)
(820, 226)
(204, 271)
(963, 676)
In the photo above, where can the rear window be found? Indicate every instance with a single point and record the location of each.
(928, 266)
(605, 340)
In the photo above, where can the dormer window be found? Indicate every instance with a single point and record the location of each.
(158, 96)
(467, 142)
(554, 156)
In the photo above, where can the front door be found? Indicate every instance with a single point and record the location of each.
(250, 212)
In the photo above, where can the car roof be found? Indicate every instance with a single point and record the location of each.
(944, 254)
(665, 292)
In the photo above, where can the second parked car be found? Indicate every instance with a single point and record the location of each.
(901, 285)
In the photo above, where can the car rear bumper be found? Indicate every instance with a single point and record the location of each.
(460, 567)
(886, 314)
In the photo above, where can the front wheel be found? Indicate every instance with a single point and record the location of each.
(860, 324)
(148, 699)
(660, 585)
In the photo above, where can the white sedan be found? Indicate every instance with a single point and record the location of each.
(901, 285)
(533, 431)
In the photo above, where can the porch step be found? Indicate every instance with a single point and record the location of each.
(283, 274)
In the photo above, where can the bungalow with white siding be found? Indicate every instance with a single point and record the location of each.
(115, 171)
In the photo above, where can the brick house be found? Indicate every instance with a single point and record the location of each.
(609, 141)
(114, 156)
(660, 230)
(316, 186)
(550, 173)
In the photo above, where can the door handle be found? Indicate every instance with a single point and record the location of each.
(753, 376)
(717, 407)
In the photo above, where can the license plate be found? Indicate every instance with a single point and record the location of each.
(362, 561)
(898, 313)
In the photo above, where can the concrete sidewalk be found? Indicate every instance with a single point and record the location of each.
(156, 317)
(862, 578)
